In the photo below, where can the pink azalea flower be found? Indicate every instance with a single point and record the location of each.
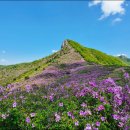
(121, 124)
(101, 107)
(33, 114)
(83, 104)
(14, 104)
(97, 123)
(126, 75)
(57, 117)
(88, 127)
(28, 120)
(3, 116)
(116, 117)
(33, 125)
(77, 123)
(69, 113)
(51, 97)
(103, 118)
(61, 104)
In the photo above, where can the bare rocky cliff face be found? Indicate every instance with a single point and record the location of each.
(69, 55)
(65, 43)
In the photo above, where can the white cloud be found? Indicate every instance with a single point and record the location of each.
(122, 55)
(109, 7)
(116, 20)
(94, 2)
(54, 51)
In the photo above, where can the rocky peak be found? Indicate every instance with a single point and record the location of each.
(65, 43)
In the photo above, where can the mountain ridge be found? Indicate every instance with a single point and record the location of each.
(71, 52)
(95, 56)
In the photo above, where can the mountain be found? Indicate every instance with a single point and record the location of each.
(70, 52)
(124, 59)
(18, 72)
(76, 88)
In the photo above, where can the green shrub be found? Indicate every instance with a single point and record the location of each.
(26, 77)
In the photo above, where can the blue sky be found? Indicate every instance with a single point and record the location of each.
(32, 30)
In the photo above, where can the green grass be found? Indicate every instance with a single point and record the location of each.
(95, 56)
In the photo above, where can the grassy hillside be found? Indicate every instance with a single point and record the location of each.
(95, 56)
(18, 72)
(21, 72)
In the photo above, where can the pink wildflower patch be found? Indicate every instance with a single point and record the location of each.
(76, 123)
(14, 104)
(28, 120)
(101, 108)
(61, 104)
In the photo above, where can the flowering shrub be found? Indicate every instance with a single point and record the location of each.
(86, 105)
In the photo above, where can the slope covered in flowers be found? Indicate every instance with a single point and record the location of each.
(21, 72)
(83, 97)
(68, 90)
